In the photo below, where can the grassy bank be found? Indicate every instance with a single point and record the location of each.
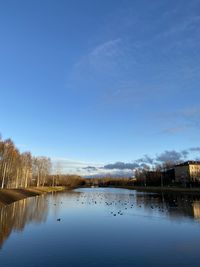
(159, 189)
(8, 196)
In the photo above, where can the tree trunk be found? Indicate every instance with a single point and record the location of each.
(4, 174)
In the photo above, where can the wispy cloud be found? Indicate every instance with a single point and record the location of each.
(100, 58)
(108, 49)
(182, 120)
(175, 130)
(182, 26)
(145, 160)
(126, 91)
(191, 112)
(99, 67)
(141, 63)
(191, 116)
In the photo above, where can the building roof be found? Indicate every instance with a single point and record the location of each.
(189, 162)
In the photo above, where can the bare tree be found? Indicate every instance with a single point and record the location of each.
(21, 169)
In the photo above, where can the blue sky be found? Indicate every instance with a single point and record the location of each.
(95, 82)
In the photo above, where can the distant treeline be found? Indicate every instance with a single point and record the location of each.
(67, 180)
(142, 177)
(21, 170)
(156, 177)
(110, 181)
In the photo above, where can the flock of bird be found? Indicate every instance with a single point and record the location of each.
(119, 204)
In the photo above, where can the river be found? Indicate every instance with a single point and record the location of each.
(101, 227)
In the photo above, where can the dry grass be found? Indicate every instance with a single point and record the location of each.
(8, 196)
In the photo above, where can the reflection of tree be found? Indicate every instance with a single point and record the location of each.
(174, 205)
(14, 217)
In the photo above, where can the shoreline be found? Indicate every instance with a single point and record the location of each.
(8, 196)
(155, 189)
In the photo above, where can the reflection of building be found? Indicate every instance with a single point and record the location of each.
(170, 204)
(188, 171)
(196, 209)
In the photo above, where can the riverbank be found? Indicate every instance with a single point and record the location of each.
(159, 189)
(8, 196)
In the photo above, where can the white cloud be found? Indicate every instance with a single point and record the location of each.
(69, 166)
(109, 48)
(101, 59)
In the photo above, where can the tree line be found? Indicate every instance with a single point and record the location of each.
(19, 170)
(22, 170)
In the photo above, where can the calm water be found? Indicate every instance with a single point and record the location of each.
(101, 227)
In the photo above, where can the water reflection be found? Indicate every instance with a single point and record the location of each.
(170, 205)
(115, 202)
(196, 209)
(101, 227)
(14, 217)
(174, 206)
